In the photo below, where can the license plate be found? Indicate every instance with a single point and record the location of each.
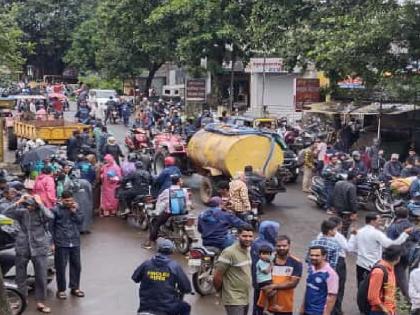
(194, 262)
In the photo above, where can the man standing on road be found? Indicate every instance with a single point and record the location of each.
(321, 284)
(381, 293)
(309, 157)
(287, 271)
(345, 201)
(66, 236)
(327, 240)
(32, 243)
(233, 274)
(368, 243)
(161, 278)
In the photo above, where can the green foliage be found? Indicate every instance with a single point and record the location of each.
(205, 28)
(11, 43)
(49, 24)
(85, 43)
(341, 37)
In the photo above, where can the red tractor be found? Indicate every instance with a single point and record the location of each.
(167, 144)
(137, 140)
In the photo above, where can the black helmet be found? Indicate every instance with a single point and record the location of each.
(139, 165)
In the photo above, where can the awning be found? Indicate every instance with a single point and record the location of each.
(350, 109)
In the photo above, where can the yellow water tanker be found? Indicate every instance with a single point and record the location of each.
(220, 153)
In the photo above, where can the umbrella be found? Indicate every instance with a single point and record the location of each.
(39, 154)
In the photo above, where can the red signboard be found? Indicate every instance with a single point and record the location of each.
(306, 91)
(196, 90)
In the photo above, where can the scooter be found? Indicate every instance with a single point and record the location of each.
(317, 193)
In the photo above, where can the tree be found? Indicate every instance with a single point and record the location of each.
(85, 43)
(341, 37)
(49, 24)
(11, 44)
(213, 29)
(125, 44)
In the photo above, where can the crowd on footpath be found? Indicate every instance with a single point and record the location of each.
(57, 206)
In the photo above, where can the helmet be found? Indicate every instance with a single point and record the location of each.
(138, 165)
(132, 157)
(355, 154)
(169, 161)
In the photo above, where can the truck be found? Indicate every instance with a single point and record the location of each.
(219, 151)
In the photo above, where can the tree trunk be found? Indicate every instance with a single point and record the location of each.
(152, 71)
(4, 306)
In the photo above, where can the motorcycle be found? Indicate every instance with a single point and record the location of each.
(15, 299)
(114, 116)
(290, 164)
(370, 191)
(373, 191)
(139, 215)
(181, 229)
(201, 263)
(137, 140)
(317, 192)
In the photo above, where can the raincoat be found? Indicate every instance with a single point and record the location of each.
(83, 195)
(45, 187)
(110, 176)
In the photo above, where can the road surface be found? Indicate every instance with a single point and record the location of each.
(113, 250)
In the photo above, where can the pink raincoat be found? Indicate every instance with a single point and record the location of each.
(110, 178)
(45, 187)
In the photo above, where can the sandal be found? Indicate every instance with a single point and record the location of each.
(61, 295)
(77, 293)
(43, 309)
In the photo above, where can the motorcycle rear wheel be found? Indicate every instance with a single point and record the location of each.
(183, 242)
(16, 300)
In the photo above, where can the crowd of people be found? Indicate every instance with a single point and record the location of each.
(96, 176)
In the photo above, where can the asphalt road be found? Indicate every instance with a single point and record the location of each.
(113, 250)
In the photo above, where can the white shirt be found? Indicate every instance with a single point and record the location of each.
(414, 289)
(368, 244)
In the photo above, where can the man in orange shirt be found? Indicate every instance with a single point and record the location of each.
(381, 296)
(286, 274)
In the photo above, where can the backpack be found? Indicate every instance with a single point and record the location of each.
(362, 291)
(177, 202)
